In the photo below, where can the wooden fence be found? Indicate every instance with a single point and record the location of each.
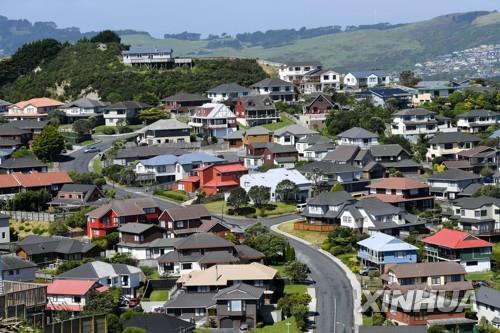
(32, 216)
(313, 227)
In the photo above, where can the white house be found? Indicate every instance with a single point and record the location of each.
(213, 120)
(477, 216)
(487, 305)
(410, 123)
(449, 144)
(227, 91)
(318, 80)
(70, 295)
(367, 79)
(119, 114)
(4, 229)
(477, 121)
(447, 184)
(358, 136)
(273, 177)
(314, 147)
(83, 108)
(277, 89)
(290, 135)
(148, 56)
(294, 71)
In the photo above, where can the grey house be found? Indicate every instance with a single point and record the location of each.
(15, 268)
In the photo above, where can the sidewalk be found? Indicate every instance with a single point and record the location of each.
(356, 287)
(312, 307)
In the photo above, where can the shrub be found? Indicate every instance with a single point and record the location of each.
(108, 130)
(124, 129)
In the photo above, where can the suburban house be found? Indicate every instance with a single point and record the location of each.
(430, 276)
(160, 323)
(121, 113)
(476, 158)
(143, 241)
(129, 156)
(448, 145)
(22, 182)
(22, 165)
(213, 179)
(294, 72)
(169, 168)
(326, 207)
(457, 246)
(487, 305)
(381, 249)
(405, 193)
(13, 137)
(358, 136)
(349, 176)
(45, 251)
(164, 131)
(234, 139)
(477, 215)
(83, 108)
(256, 110)
(259, 154)
(125, 277)
(18, 269)
(448, 184)
(157, 57)
(4, 105)
(388, 153)
(367, 79)
(257, 134)
(227, 92)
(315, 112)
(184, 103)
(273, 177)
(349, 154)
(77, 196)
(34, 126)
(34, 109)
(109, 217)
(70, 295)
(4, 228)
(439, 88)
(184, 220)
(319, 80)
(213, 121)
(314, 147)
(290, 135)
(411, 123)
(202, 250)
(276, 89)
(380, 96)
(477, 121)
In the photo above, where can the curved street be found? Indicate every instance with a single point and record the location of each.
(331, 283)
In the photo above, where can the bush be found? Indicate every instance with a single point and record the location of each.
(108, 130)
(124, 129)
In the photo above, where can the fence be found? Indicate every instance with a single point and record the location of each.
(33, 216)
(91, 324)
(313, 227)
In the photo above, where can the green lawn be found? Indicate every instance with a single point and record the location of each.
(279, 327)
(280, 269)
(310, 236)
(97, 166)
(86, 142)
(183, 119)
(158, 296)
(274, 209)
(295, 289)
(479, 276)
(178, 196)
(284, 121)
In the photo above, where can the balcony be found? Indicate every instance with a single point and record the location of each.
(100, 225)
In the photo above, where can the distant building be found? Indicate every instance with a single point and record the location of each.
(315, 112)
(319, 80)
(4, 106)
(72, 196)
(380, 96)
(367, 79)
(411, 123)
(477, 121)
(290, 135)
(402, 192)
(358, 137)
(448, 145)
(156, 57)
(447, 185)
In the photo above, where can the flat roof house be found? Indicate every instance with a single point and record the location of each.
(164, 131)
(457, 246)
(448, 145)
(359, 137)
(450, 183)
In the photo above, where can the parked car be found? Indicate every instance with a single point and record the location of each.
(367, 270)
(91, 150)
(244, 327)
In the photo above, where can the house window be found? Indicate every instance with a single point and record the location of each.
(259, 283)
(203, 289)
(187, 266)
(436, 280)
(457, 211)
(456, 278)
(399, 254)
(462, 212)
(199, 312)
(179, 224)
(77, 299)
(236, 305)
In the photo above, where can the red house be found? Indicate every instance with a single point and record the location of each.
(213, 179)
(107, 218)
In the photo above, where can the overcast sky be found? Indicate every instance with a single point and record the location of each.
(230, 16)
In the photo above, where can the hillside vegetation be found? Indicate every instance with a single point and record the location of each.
(391, 47)
(83, 68)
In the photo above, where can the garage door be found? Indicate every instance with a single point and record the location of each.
(226, 323)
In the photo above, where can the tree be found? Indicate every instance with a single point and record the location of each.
(48, 144)
(22, 152)
(408, 78)
(237, 198)
(106, 37)
(316, 177)
(296, 305)
(58, 228)
(149, 116)
(148, 98)
(113, 323)
(107, 301)
(393, 172)
(296, 271)
(259, 195)
(31, 201)
(123, 258)
(488, 191)
(286, 190)
(420, 148)
(337, 188)
(486, 171)
(82, 127)
(437, 329)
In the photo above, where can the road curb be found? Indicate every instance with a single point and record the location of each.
(355, 285)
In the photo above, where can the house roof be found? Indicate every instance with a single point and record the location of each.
(85, 103)
(127, 207)
(276, 148)
(478, 151)
(457, 164)
(342, 153)
(488, 296)
(398, 183)
(34, 179)
(155, 150)
(314, 139)
(479, 113)
(381, 242)
(186, 97)
(388, 92)
(229, 88)
(147, 49)
(4, 103)
(454, 137)
(10, 262)
(231, 167)
(247, 252)
(126, 105)
(471, 189)
(454, 239)
(234, 135)
(328, 167)
(271, 82)
(476, 202)
(186, 213)
(302, 63)
(357, 133)
(330, 198)
(273, 177)
(164, 124)
(159, 323)
(321, 147)
(239, 291)
(29, 124)
(70, 287)
(294, 130)
(413, 112)
(10, 129)
(377, 207)
(191, 300)
(135, 228)
(453, 175)
(387, 150)
(22, 162)
(34, 244)
(393, 329)
(202, 240)
(184, 159)
(258, 130)
(98, 270)
(213, 111)
(39, 103)
(425, 269)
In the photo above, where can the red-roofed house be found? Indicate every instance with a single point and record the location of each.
(404, 193)
(19, 182)
(69, 295)
(213, 179)
(34, 109)
(452, 245)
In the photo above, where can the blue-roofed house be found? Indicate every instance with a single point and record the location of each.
(495, 134)
(169, 168)
(381, 249)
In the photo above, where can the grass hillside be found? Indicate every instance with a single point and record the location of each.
(396, 47)
(83, 68)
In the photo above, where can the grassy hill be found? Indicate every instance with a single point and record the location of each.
(397, 47)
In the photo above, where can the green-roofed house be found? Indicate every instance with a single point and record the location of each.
(144, 241)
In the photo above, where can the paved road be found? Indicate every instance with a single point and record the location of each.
(330, 281)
